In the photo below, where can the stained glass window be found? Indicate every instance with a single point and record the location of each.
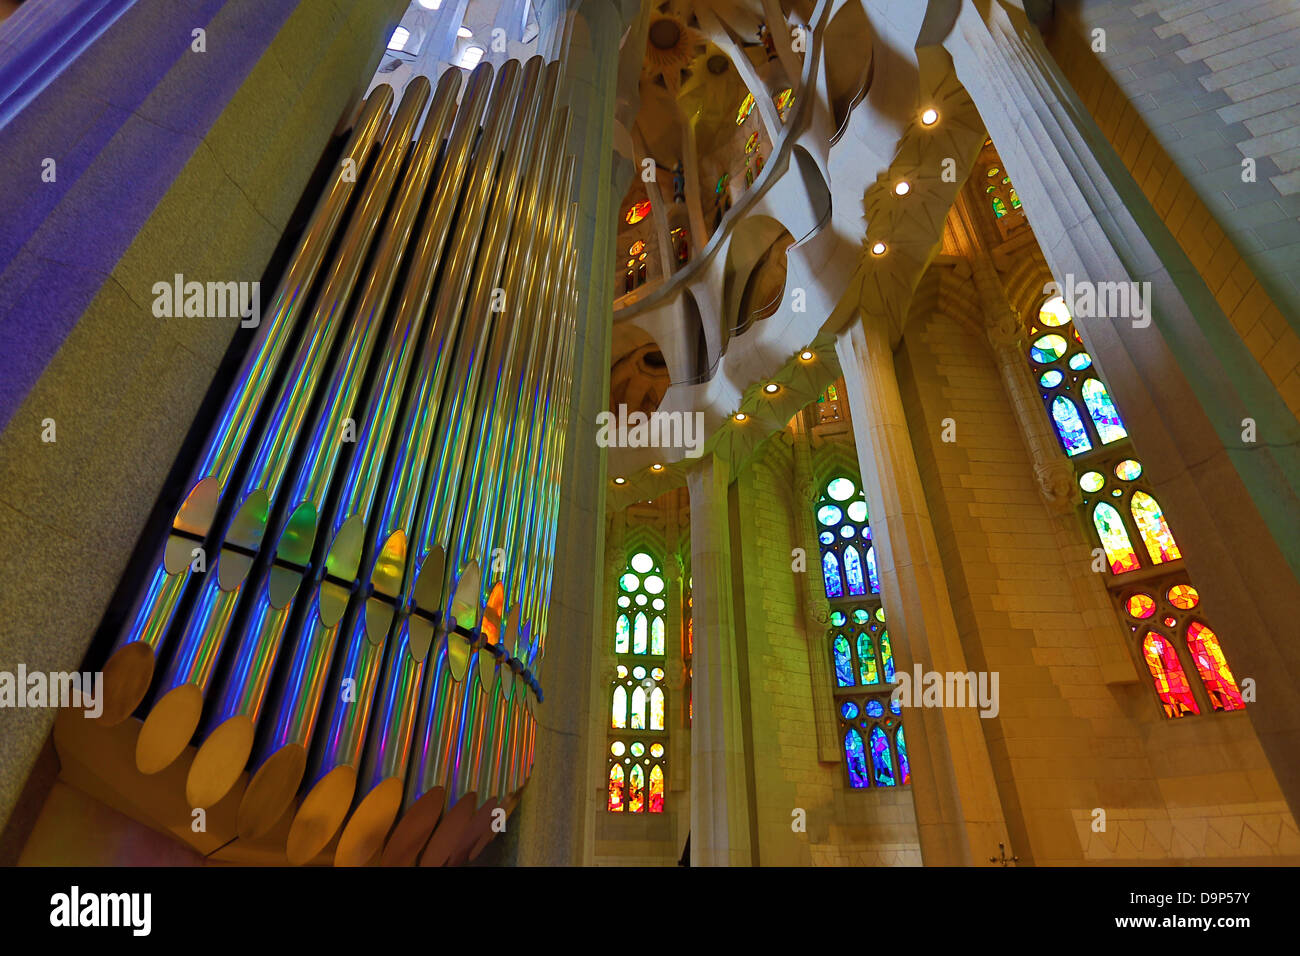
(638, 695)
(843, 661)
(853, 571)
(880, 758)
(856, 760)
(904, 768)
(784, 100)
(746, 107)
(1124, 511)
(866, 660)
(831, 575)
(638, 212)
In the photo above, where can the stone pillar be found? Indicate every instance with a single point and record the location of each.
(958, 815)
(816, 609)
(553, 823)
(720, 811)
(1183, 378)
(166, 160)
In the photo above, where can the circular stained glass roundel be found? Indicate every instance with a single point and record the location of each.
(617, 748)
(1184, 597)
(638, 672)
(826, 537)
(638, 749)
(847, 531)
(654, 584)
(1170, 621)
(838, 618)
(1047, 349)
(829, 515)
(1051, 378)
(656, 750)
(1140, 605)
(895, 706)
(1092, 481)
(629, 582)
(860, 615)
(641, 600)
(857, 511)
(642, 562)
(657, 673)
(874, 708)
(848, 710)
(658, 604)
(1080, 361)
(1054, 312)
(622, 671)
(880, 614)
(624, 600)
(841, 489)
(1128, 469)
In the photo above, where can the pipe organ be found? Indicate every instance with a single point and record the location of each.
(348, 611)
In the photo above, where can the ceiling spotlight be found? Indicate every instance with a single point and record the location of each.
(878, 249)
(741, 416)
(806, 355)
(431, 4)
(656, 467)
(464, 33)
(620, 480)
(771, 388)
(902, 188)
(929, 117)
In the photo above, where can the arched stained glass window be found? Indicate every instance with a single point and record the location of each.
(638, 708)
(873, 576)
(855, 758)
(1167, 673)
(904, 768)
(853, 571)
(656, 789)
(1213, 668)
(1157, 537)
(867, 673)
(657, 636)
(881, 760)
(887, 656)
(639, 628)
(1114, 539)
(622, 635)
(616, 779)
(1102, 410)
(831, 575)
(636, 789)
(618, 710)
(657, 709)
(1069, 426)
(843, 662)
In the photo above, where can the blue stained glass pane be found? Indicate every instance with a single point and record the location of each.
(1079, 361)
(838, 618)
(875, 708)
(881, 759)
(887, 657)
(860, 615)
(1051, 378)
(848, 710)
(826, 537)
(853, 571)
(1102, 410)
(872, 574)
(1069, 426)
(904, 769)
(843, 662)
(856, 759)
(895, 706)
(831, 575)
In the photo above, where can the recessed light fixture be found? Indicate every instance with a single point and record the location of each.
(902, 187)
(806, 355)
(929, 117)
(741, 416)
(771, 388)
(464, 33)
(431, 4)
(878, 249)
(620, 480)
(656, 467)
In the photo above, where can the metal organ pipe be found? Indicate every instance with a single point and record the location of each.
(377, 495)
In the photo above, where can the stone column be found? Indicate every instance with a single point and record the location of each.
(553, 823)
(816, 609)
(720, 811)
(169, 156)
(958, 815)
(1186, 383)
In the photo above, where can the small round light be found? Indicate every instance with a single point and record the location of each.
(929, 117)
(878, 249)
(902, 188)
(806, 355)
(741, 416)
(620, 480)
(771, 388)
(464, 33)
(656, 467)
